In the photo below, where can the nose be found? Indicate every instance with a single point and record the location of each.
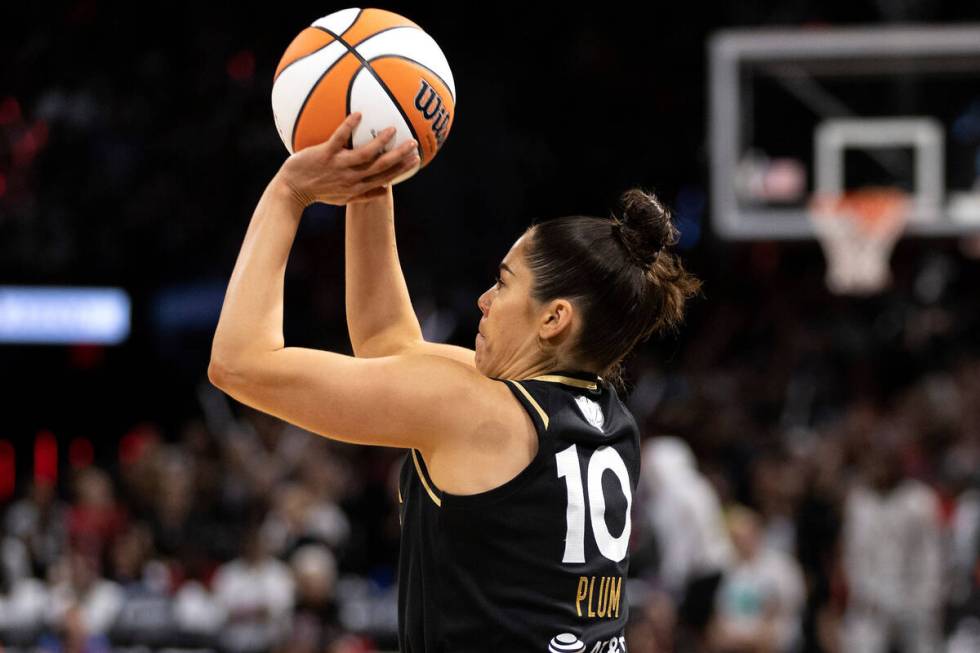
(484, 301)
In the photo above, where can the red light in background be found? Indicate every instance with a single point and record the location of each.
(241, 66)
(83, 11)
(9, 111)
(3, 185)
(80, 453)
(24, 150)
(28, 145)
(40, 133)
(86, 356)
(134, 444)
(8, 470)
(45, 457)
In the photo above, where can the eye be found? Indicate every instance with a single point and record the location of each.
(499, 282)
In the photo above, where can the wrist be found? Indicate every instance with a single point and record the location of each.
(379, 198)
(282, 187)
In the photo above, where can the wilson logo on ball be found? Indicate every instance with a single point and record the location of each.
(436, 114)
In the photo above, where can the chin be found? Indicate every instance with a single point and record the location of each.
(478, 362)
(481, 364)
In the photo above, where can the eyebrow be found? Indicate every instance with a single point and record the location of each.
(504, 266)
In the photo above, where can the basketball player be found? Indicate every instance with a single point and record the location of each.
(521, 462)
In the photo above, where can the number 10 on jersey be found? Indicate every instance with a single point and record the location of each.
(604, 458)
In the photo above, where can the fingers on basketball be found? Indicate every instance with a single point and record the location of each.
(369, 152)
(400, 166)
(389, 161)
(338, 140)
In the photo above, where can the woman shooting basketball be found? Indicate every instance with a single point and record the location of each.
(516, 489)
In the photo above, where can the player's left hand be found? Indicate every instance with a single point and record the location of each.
(333, 174)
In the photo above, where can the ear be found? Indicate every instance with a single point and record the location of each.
(556, 321)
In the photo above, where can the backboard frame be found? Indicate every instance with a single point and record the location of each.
(728, 49)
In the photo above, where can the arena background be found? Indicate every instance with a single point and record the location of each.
(135, 141)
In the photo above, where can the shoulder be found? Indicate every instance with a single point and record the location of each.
(498, 439)
(460, 398)
(495, 409)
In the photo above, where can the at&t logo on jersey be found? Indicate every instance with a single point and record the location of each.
(430, 104)
(566, 643)
(591, 411)
(569, 643)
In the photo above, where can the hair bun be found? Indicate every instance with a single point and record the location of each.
(644, 227)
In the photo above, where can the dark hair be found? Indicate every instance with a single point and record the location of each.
(618, 273)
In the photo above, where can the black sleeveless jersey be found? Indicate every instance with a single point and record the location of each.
(540, 562)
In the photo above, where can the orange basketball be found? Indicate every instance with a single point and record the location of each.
(370, 61)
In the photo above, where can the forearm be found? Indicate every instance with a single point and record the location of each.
(251, 316)
(380, 317)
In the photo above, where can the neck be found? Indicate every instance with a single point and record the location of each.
(542, 367)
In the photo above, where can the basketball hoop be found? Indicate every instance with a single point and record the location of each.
(857, 230)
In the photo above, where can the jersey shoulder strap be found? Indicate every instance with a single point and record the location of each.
(547, 395)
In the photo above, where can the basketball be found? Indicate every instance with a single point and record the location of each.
(370, 61)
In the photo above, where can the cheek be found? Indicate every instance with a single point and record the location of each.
(510, 319)
(501, 313)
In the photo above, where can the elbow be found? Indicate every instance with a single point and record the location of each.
(234, 368)
(226, 364)
(217, 373)
(222, 374)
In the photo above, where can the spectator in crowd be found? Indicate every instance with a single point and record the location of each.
(684, 513)
(315, 623)
(14, 557)
(892, 556)
(146, 616)
(777, 486)
(760, 599)
(266, 451)
(256, 594)
(23, 601)
(298, 518)
(139, 476)
(176, 512)
(95, 518)
(83, 604)
(964, 552)
(132, 564)
(963, 472)
(40, 520)
(652, 628)
(818, 526)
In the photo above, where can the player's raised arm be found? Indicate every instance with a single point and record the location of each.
(380, 317)
(401, 401)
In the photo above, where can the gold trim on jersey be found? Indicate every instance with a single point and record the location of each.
(567, 380)
(537, 406)
(400, 500)
(425, 483)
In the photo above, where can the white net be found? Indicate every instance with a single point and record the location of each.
(858, 230)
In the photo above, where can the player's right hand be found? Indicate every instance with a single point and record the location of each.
(334, 174)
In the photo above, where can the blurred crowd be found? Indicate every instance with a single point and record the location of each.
(805, 486)
(818, 488)
(265, 539)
